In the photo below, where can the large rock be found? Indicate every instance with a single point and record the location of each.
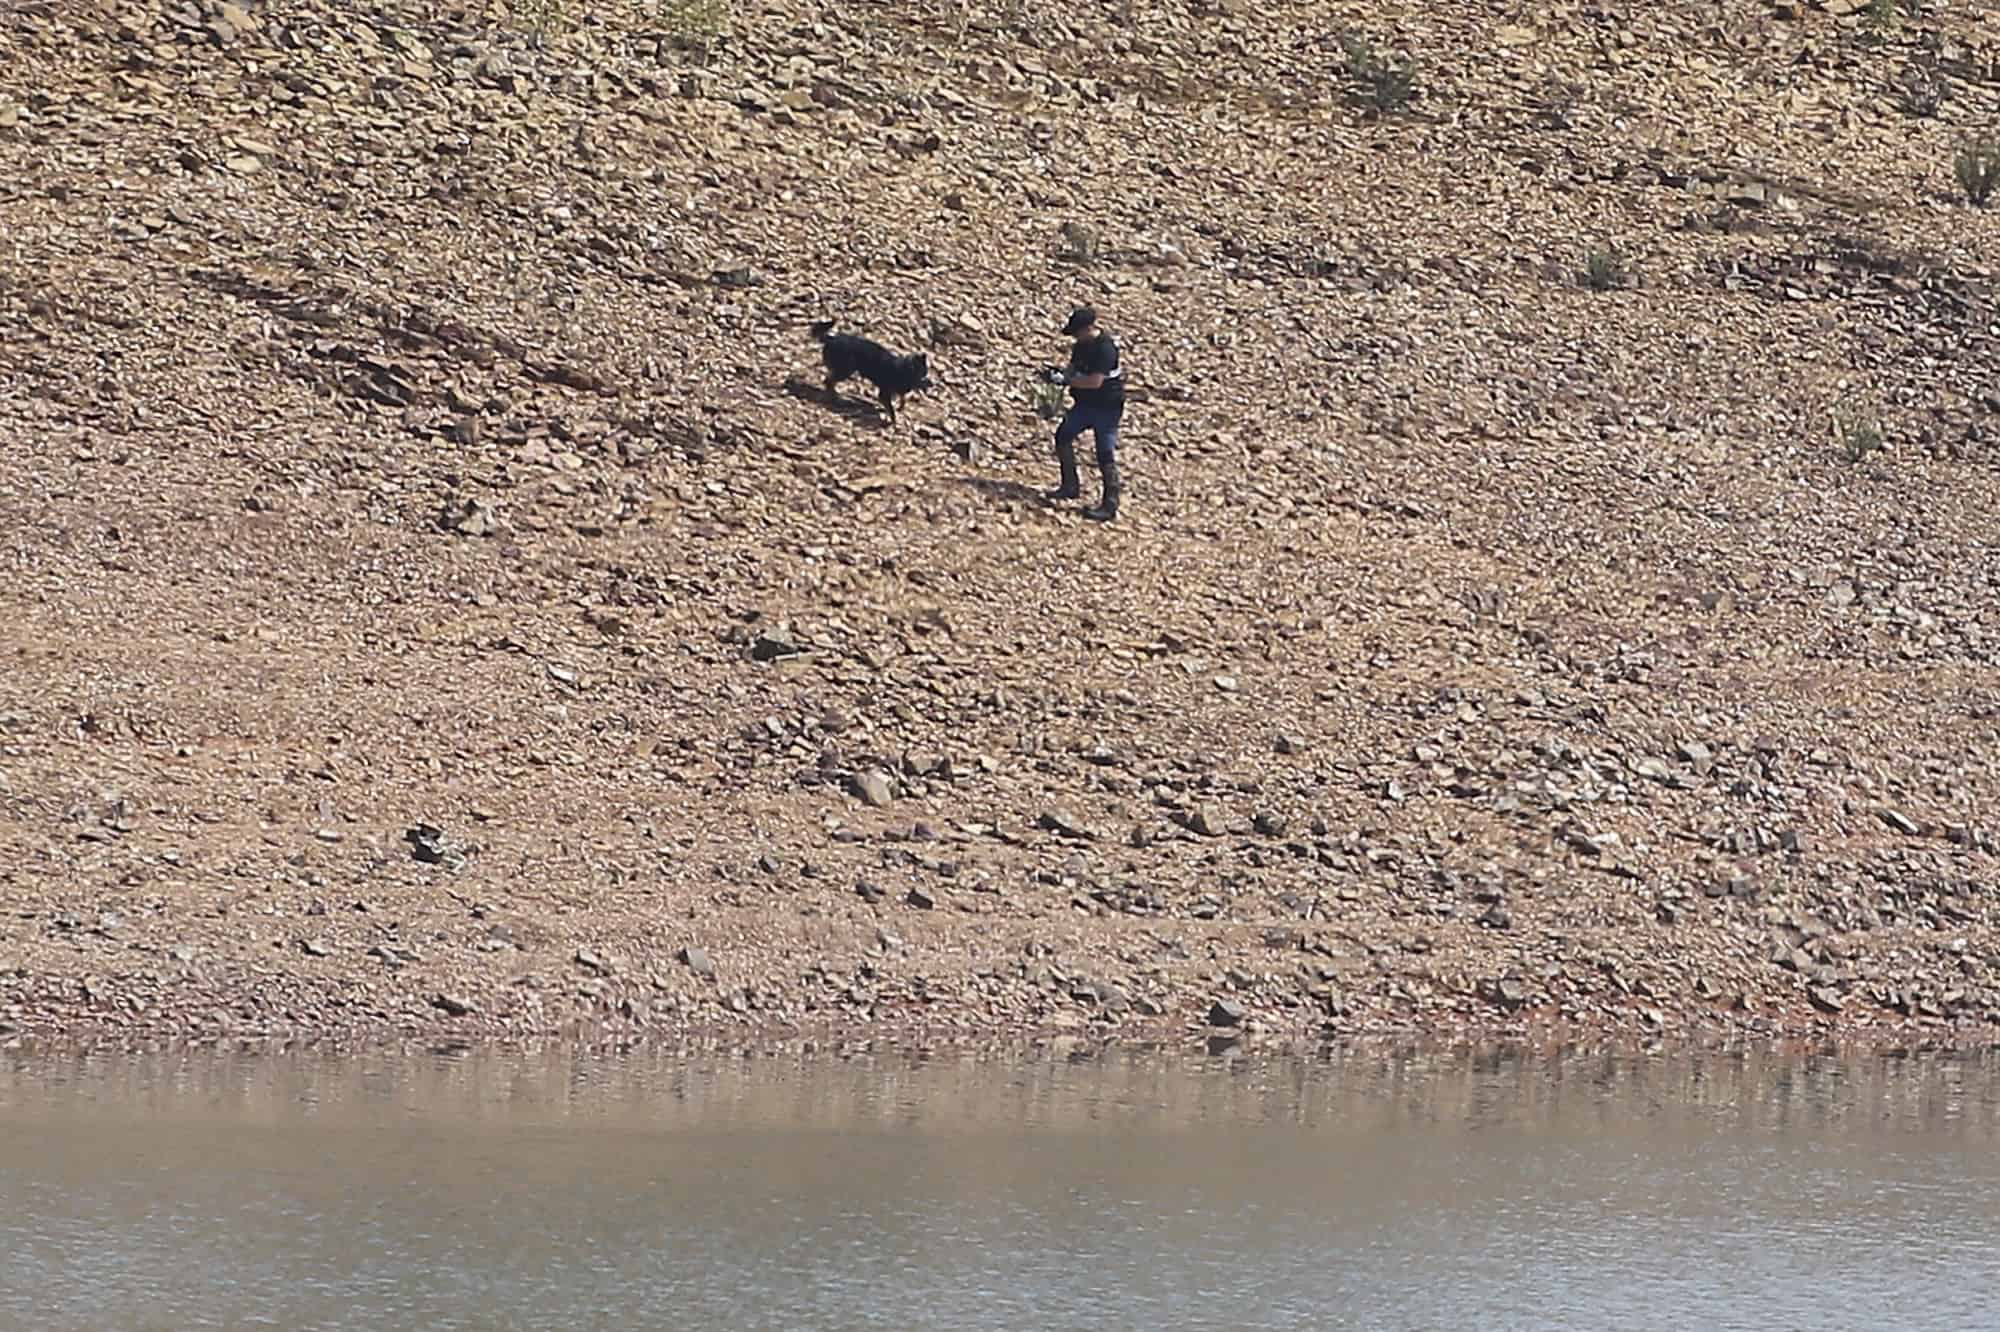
(1226, 1013)
(873, 788)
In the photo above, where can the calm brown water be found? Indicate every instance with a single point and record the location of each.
(1425, 1189)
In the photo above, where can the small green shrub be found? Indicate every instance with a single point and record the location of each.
(1384, 84)
(1078, 244)
(698, 24)
(1604, 270)
(1048, 401)
(544, 18)
(1859, 437)
(1978, 169)
(1920, 91)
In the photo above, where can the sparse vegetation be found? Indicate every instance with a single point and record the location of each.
(1078, 244)
(1978, 169)
(544, 18)
(1322, 262)
(1555, 102)
(1383, 84)
(1604, 270)
(696, 24)
(1920, 90)
(1729, 219)
(1048, 401)
(1878, 20)
(692, 24)
(1859, 437)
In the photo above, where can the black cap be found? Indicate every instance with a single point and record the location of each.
(1079, 319)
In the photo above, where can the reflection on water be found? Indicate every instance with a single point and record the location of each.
(1410, 1188)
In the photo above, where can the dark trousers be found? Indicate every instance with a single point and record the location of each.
(1102, 423)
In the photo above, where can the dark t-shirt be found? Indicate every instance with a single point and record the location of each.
(1098, 356)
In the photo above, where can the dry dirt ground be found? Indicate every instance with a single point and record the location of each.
(437, 600)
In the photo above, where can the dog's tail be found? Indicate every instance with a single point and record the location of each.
(822, 329)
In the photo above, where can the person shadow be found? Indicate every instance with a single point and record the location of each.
(995, 488)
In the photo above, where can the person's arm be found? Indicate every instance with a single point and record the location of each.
(1074, 378)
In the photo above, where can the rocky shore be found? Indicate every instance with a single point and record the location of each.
(1559, 585)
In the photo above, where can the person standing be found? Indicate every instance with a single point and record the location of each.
(1096, 383)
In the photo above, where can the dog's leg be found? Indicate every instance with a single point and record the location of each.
(889, 406)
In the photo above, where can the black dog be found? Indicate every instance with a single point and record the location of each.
(849, 354)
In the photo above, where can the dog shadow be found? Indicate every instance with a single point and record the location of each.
(840, 404)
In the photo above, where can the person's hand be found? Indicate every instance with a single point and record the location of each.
(1055, 374)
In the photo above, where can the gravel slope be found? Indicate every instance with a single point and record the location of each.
(439, 601)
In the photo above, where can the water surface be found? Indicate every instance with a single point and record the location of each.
(692, 1189)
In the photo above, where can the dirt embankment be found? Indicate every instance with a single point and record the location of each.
(437, 601)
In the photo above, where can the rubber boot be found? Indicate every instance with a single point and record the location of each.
(1072, 485)
(1107, 508)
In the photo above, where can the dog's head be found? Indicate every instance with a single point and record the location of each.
(911, 373)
